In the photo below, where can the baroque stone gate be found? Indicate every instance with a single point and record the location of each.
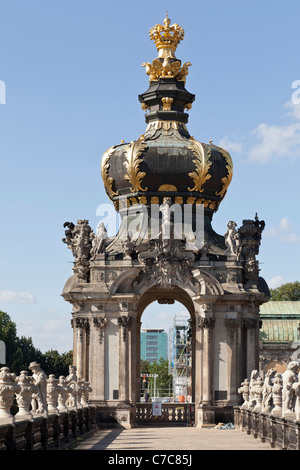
(166, 186)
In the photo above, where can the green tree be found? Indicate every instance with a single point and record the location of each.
(55, 363)
(8, 334)
(288, 291)
(20, 352)
(164, 380)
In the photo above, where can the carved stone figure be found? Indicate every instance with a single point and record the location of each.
(296, 388)
(166, 263)
(39, 399)
(289, 377)
(277, 395)
(128, 245)
(166, 218)
(267, 393)
(252, 392)
(63, 394)
(85, 395)
(71, 381)
(98, 242)
(79, 240)
(230, 237)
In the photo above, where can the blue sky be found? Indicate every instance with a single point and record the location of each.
(72, 74)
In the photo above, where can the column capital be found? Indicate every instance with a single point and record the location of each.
(231, 325)
(124, 321)
(206, 322)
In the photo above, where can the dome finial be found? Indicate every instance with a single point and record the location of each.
(166, 37)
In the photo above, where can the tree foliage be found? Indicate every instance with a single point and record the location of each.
(163, 381)
(20, 352)
(288, 291)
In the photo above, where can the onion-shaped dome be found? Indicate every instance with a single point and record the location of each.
(166, 160)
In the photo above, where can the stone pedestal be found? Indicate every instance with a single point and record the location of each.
(125, 416)
(206, 416)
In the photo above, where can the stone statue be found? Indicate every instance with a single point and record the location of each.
(296, 388)
(71, 381)
(289, 377)
(230, 240)
(267, 393)
(252, 393)
(128, 244)
(79, 240)
(166, 218)
(98, 242)
(39, 399)
(277, 394)
(64, 391)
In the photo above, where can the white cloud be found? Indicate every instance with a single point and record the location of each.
(283, 232)
(275, 141)
(275, 281)
(230, 145)
(9, 296)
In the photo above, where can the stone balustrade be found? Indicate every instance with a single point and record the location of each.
(38, 395)
(40, 412)
(171, 413)
(271, 407)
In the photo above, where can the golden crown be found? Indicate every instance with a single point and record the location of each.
(166, 36)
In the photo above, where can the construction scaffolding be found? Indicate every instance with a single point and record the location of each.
(180, 358)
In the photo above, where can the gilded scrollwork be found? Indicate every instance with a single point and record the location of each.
(227, 179)
(132, 163)
(105, 164)
(202, 163)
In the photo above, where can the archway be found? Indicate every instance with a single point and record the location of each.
(179, 326)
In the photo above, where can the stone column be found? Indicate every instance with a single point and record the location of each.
(97, 358)
(82, 325)
(207, 325)
(231, 326)
(251, 325)
(124, 412)
(206, 411)
(124, 322)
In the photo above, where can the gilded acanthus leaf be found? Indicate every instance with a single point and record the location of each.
(132, 163)
(202, 163)
(226, 180)
(108, 180)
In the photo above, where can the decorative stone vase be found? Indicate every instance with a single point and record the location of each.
(24, 397)
(8, 389)
(52, 394)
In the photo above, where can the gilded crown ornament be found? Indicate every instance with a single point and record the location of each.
(166, 38)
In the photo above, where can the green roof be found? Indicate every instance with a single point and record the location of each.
(280, 321)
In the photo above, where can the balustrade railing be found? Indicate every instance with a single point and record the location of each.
(171, 413)
(271, 407)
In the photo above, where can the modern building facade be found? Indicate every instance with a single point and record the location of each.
(154, 344)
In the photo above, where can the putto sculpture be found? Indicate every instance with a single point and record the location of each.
(277, 394)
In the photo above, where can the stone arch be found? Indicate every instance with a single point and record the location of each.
(149, 296)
